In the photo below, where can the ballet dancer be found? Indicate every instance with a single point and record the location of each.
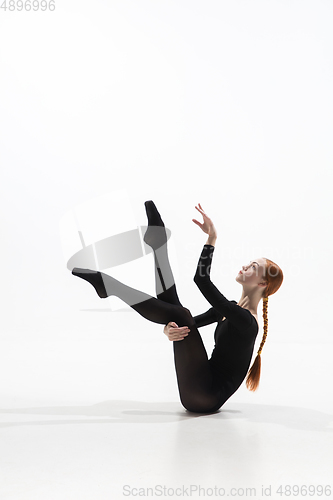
(204, 384)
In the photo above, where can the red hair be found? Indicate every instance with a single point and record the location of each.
(274, 276)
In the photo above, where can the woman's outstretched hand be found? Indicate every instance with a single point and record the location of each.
(175, 332)
(207, 226)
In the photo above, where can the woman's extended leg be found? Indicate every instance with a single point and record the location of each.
(156, 238)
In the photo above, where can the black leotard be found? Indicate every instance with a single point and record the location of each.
(235, 336)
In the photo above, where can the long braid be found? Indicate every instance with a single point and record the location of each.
(253, 377)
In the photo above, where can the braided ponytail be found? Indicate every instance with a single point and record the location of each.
(274, 277)
(253, 377)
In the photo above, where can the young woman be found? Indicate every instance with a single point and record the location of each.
(204, 384)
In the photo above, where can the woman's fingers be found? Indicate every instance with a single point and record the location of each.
(179, 331)
(176, 334)
(197, 222)
(201, 208)
(201, 211)
(177, 339)
(205, 216)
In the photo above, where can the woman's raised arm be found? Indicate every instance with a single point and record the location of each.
(237, 314)
(207, 226)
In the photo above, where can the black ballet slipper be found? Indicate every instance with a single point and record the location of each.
(155, 235)
(94, 278)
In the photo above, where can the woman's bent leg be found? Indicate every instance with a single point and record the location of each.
(197, 390)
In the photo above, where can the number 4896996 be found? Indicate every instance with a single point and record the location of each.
(27, 5)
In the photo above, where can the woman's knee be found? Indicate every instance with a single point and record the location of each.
(184, 316)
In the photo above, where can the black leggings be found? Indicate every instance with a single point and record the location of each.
(198, 391)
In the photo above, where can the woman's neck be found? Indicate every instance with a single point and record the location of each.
(254, 297)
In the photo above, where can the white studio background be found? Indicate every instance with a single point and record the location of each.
(109, 104)
(227, 103)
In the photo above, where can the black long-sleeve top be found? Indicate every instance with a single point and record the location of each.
(234, 336)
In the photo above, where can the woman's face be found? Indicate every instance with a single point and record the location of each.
(252, 273)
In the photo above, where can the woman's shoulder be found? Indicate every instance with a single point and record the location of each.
(255, 317)
(253, 313)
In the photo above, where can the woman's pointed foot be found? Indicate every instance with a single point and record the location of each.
(94, 278)
(155, 236)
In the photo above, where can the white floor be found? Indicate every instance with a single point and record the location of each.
(91, 412)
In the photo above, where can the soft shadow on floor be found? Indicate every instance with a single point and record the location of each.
(113, 412)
